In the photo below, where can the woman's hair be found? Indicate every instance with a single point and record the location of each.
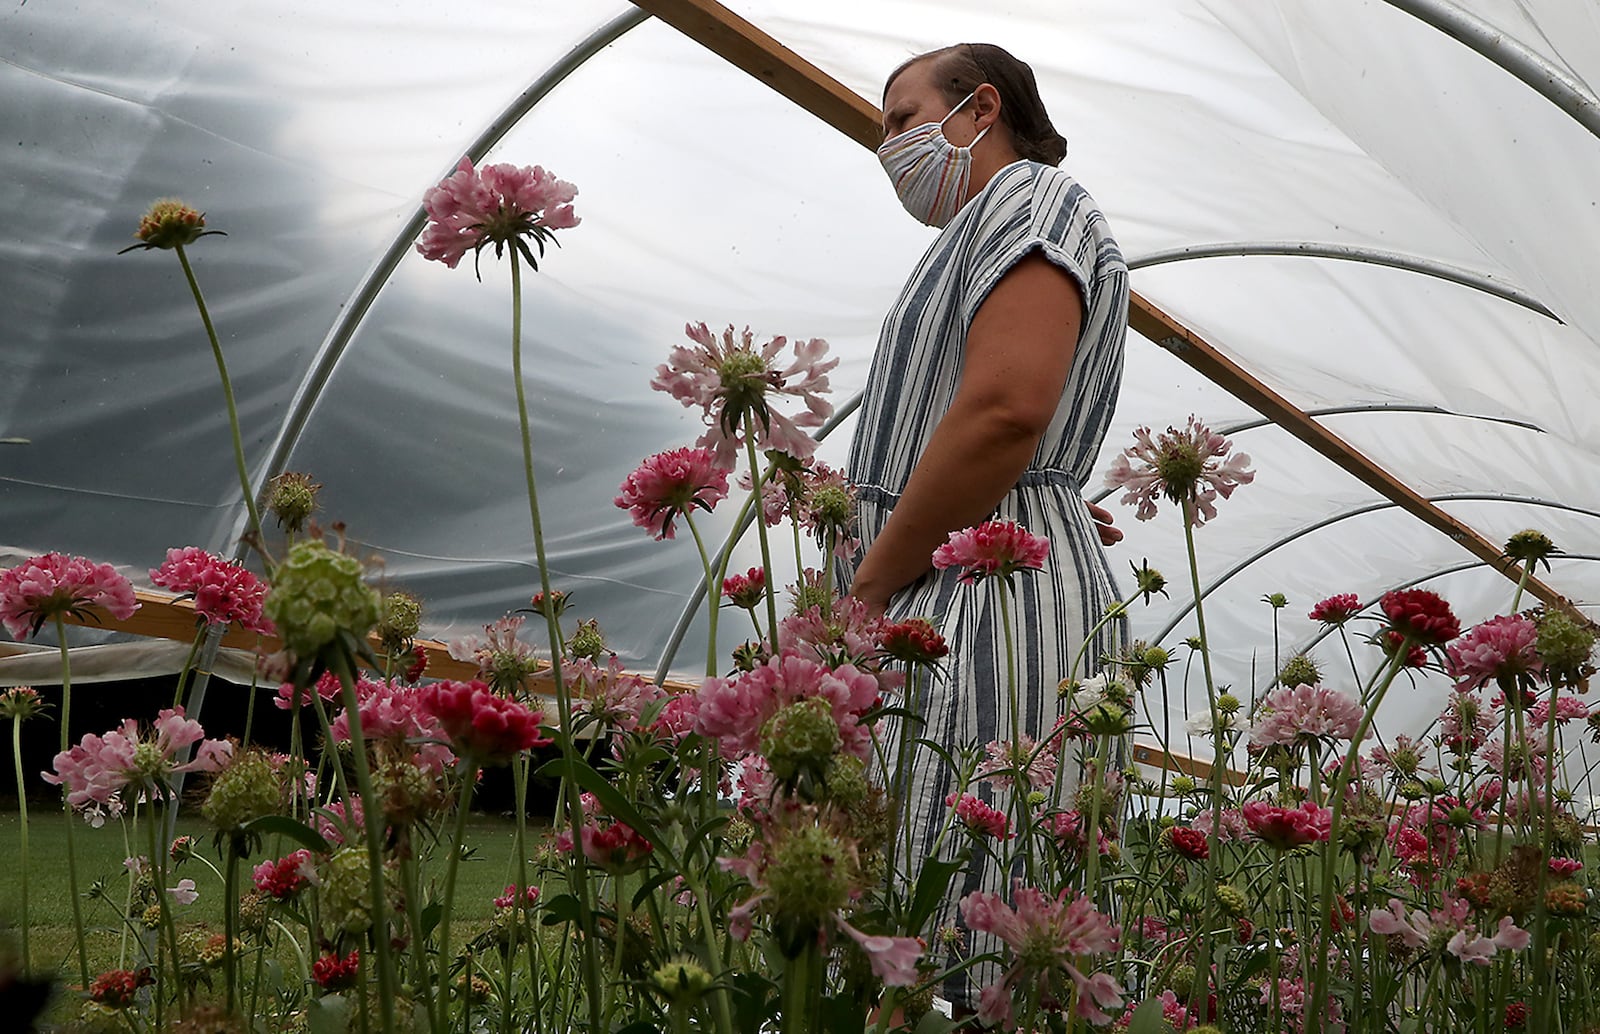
(960, 69)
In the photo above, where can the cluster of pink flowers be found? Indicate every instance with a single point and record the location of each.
(1067, 828)
(1336, 609)
(1465, 724)
(1191, 465)
(993, 548)
(333, 973)
(733, 710)
(1292, 714)
(1568, 708)
(1004, 761)
(672, 483)
(609, 694)
(1285, 828)
(497, 204)
(979, 817)
(1424, 838)
(100, 767)
(1233, 827)
(1047, 937)
(508, 899)
(1503, 647)
(489, 729)
(224, 592)
(1417, 928)
(326, 687)
(285, 877)
(847, 634)
(730, 379)
(54, 585)
(398, 716)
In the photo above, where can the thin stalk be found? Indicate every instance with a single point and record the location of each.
(577, 872)
(66, 807)
(1522, 583)
(250, 707)
(713, 596)
(158, 859)
(227, 392)
(462, 806)
(419, 980)
(521, 929)
(230, 918)
(1019, 780)
(373, 824)
(22, 813)
(761, 527)
(1219, 754)
(188, 663)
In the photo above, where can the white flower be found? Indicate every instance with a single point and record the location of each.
(184, 893)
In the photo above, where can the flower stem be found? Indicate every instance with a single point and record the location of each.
(761, 527)
(230, 918)
(22, 813)
(1219, 756)
(227, 392)
(577, 872)
(66, 806)
(462, 807)
(713, 595)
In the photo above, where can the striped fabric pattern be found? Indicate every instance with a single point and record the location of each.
(1026, 206)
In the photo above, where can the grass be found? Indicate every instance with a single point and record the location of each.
(482, 875)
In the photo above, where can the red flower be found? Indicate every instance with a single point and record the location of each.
(285, 877)
(116, 988)
(746, 590)
(616, 848)
(1421, 615)
(1516, 1015)
(419, 666)
(1416, 657)
(1190, 843)
(1564, 866)
(1284, 828)
(333, 973)
(1244, 929)
(1336, 610)
(489, 729)
(914, 641)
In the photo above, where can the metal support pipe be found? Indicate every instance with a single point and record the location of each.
(1455, 497)
(1527, 64)
(1349, 253)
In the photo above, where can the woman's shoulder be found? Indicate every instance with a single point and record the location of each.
(1039, 200)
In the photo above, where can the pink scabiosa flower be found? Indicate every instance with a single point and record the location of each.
(119, 988)
(224, 592)
(19, 703)
(503, 660)
(1048, 937)
(1191, 466)
(326, 687)
(672, 483)
(978, 817)
(732, 380)
(746, 591)
(333, 973)
(1233, 827)
(1285, 828)
(508, 899)
(1500, 649)
(999, 548)
(1005, 760)
(1419, 615)
(1190, 843)
(1568, 708)
(57, 585)
(482, 727)
(1067, 827)
(397, 716)
(1293, 714)
(284, 877)
(614, 846)
(609, 694)
(913, 640)
(1465, 724)
(99, 768)
(1336, 609)
(737, 710)
(498, 204)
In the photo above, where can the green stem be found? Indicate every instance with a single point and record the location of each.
(521, 929)
(227, 393)
(713, 594)
(761, 528)
(372, 822)
(66, 807)
(1219, 757)
(419, 980)
(1522, 583)
(169, 926)
(462, 807)
(577, 871)
(188, 663)
(230, 920)
(22, 813)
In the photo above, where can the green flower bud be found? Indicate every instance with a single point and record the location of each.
(318, 593)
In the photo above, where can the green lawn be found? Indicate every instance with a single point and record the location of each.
(481, 877)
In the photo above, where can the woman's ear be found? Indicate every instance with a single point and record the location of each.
(985, 106)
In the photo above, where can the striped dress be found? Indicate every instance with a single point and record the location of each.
(1025, 207)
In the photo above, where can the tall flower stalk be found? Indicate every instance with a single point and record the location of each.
(19, 704)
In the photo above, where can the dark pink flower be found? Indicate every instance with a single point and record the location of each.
(746, 590)
(731, 380)
(979, 817)
(286, 876)
(614, 846)
(224, 592)
(993, 548)
(1564, 866)
(1503, 647)
(509, 898)
(1190, 843)
(326, 687)
(913, 640)
(1284, 828)
(43, 587)
(489, 729)
(397, 715)
(333, 973)
(499, 205)
(1422, 616)
(670, 483)
(1337, 609)
(1191, 465)
(1047, 937)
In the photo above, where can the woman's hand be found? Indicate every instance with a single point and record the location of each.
(1109, 534)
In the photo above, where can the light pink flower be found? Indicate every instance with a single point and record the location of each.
(499, 205)
(224, 592)
(1004, 761)
(993, 548)
(1046, 936)
(734, 709)
(1465, 724)
(1501, 647)
(1413, 928)
(1191, 465)
(731, 380)
(848, 634)
(503, 660)
(1234, 827)
(893, 959)
(610, 694)
(396, 715)
(670, 483)
(43, 587)
(100, 767)
(1290, 714)
(184, 893)
(1568, 708)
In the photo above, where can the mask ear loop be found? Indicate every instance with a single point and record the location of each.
(958, 107)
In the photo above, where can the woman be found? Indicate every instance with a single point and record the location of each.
(989, 396)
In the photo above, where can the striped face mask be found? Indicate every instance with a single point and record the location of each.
(929, 173)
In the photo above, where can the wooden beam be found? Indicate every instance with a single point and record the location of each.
(1152, 756)
(744, 46)
(730, 36)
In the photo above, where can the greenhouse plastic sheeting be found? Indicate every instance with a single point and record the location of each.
(310, 133)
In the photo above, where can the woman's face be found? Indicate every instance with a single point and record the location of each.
(914, 98)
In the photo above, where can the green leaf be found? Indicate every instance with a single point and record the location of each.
(844, 1012)
(563, 908)
(430, 918)
(651, 884)
(931, 887)
(1147, 1019)
(329, 1015)
(282, 825)
(935, 1022)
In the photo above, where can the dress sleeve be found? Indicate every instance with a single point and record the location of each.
(1027, 208)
